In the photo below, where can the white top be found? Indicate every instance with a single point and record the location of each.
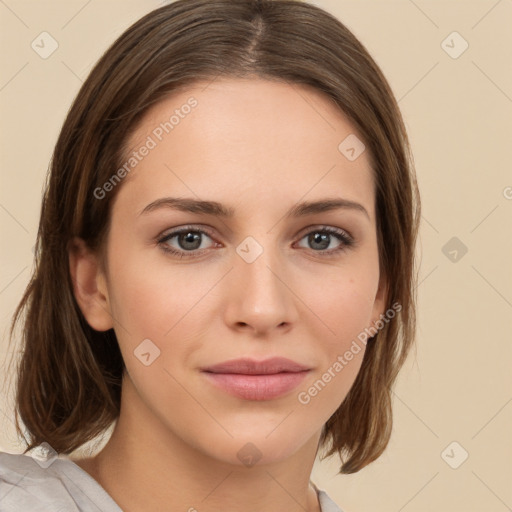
(60, 485)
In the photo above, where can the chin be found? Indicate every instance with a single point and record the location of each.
(265, 446)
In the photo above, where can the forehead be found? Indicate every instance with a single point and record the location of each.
(290, 109)
(250, 138)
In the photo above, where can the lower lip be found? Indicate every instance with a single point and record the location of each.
(257, 387)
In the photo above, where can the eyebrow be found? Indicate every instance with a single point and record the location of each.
(219, 210)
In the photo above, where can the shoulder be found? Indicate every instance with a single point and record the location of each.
(52, 485)
(25, 484)
(326, 502)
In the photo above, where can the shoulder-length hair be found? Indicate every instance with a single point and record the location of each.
(69, 375)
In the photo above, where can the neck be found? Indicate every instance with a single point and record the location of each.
(162, 471)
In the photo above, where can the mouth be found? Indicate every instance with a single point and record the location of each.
(250, 379)
(247, 366)
(256, 387)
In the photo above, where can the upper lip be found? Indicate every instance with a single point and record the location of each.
(252, 367)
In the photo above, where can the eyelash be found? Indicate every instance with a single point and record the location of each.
(340, 234)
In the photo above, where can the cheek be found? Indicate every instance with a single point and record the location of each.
(165, 303)
(351, 307)
(148, 298)
(341, 300)
(345, 314)
(341, 311)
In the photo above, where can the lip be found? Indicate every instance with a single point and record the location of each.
(257, 387)
(257, 380)
(248, 366)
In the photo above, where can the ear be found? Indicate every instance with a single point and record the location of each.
(89, 285)
(381, 298)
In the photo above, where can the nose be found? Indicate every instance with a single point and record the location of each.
(260, 295)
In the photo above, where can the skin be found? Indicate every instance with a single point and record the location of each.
(259, 147)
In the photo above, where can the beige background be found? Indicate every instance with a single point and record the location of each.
(459, 115)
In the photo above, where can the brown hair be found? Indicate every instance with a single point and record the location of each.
(69, 375)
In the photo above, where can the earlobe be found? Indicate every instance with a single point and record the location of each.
(89, 285)
(381, 298)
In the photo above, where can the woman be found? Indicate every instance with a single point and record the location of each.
(225, 268)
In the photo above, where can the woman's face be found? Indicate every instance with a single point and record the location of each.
(266, 281)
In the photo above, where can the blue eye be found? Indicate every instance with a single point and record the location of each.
(321, 238)
(189, 240)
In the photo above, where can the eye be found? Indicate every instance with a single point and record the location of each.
(188, 239)
(320, 239)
